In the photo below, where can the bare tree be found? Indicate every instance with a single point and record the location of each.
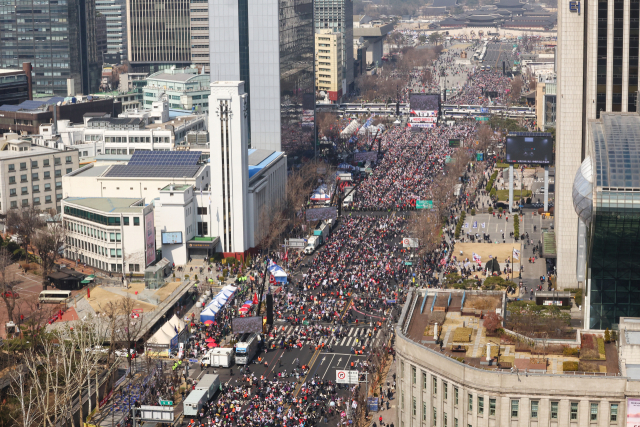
(47, 244)
(426, 225)
(516, 89)
(7, 282)
(26, 393)
(129, 326)
(484, 135)
(328, 125)
(24, 223)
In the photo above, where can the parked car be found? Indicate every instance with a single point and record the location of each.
(123, 353)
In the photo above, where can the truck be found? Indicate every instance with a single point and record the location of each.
(312, 244)
(345, 176)
(218, 357)
(193, 403)
(348, 200)
(323, 231)
(210, 383)
(246, 348)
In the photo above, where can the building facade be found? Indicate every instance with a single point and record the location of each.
(31, 176)
(337, 15)
(109, 234)
(186, 89)
(115, 12)
(329, 48)
(270, 47)
(434, 389)
(15, 85)
(597, 72)
(58, 38)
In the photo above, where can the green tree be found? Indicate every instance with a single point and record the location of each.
(434, 38)
(422, 38)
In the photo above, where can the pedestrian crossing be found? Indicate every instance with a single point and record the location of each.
(354, 337)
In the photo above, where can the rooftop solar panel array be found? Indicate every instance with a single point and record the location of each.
(165, 158)
(152, 171)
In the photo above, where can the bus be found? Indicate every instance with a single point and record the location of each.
(54, 297)
(246, 348)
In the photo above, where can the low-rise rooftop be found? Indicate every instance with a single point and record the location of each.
(109, 204)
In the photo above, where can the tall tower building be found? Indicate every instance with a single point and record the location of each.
(229, 164)
(58, 38)
(337, 15)
(269, 46)
(116, 14)
(597, 67)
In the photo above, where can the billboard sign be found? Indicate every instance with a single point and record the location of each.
(421, 125)
(347, 377)
(530, 149)
(171, 237)
(158, 414)
(428, 119)
(409, 242)
(243, 325)
(454, 143)
(424, 102)
(150, 238)
(318, 214)
(366, 156)
(633, 412)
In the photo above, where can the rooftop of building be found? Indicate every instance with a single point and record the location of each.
(260, 159)
(616, 150)
(373, 31)
(176, 187)
(10, 71)
(34, 150)
(108, 204)
(175, 122)
(148, 164)
(444, 3)
(464, 332)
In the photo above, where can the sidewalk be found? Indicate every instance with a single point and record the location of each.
(390, 415)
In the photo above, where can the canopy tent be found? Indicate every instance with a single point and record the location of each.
(321, 194)
(278, 273)
(161, 343)
(350, 128)
(218, 301)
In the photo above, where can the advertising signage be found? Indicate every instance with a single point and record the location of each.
(530, 149)
(424, 102)
(150, 238)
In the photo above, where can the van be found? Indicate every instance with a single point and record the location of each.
(54, 297)
(210, 383)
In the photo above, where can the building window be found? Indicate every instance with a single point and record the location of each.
(58, 196)
(434, 384)
(480, 405)
(23, 166)
(413, 375)
(112, 237)
(203, 228)
(554, 410)
(414, 407)
(455, 422)
(58, 184)
(402, 401)
(36, 200)
(23, 178)
(47, 199)
(445, 390)
(424, 411)
(613, 417)
(47, 187)
(574, 411)
(444, 420)
(118, 237)
(58, 173)
(12, 192)
(35, 188)
(202, 211)
(113, 253)
(594, 412)
(125, 220)
(68, 170)
(455, 395)
(57, 161)
(45, 162)
(424, 380)
(119, 252)
(534, 409)
(435, 415)
(492, 407)
(68, 159)
(34, 163)
(34, 177)
(402, 369)
(515, 404)
(12, 168)
(25, 202)
(12, 180)
(134, 267)
(14, 204)
(47, 175)
(24, 190)
(470, 401)
(136, 220)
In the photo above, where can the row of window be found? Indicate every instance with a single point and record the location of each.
(99, 250)
(34, 189)
(35, 164)
(515, 403)
(99, 219)
(36, 201)
(35, 176)
(100, 234)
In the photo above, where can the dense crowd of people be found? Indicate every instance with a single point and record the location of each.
(480, 85)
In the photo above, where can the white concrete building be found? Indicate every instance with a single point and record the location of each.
(110, 233)
(31, 176)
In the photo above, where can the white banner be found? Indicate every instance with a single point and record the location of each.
(423, 119)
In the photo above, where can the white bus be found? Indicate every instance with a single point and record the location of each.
(54, 297)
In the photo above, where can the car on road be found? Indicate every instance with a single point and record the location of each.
(96, 349)
(11, 294)
(123, 353)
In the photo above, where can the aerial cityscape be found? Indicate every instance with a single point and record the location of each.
(345, 213)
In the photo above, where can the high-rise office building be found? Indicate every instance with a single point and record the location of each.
(337, 15)
(167, 33)
(597, 67)
(329, 63)
(58, 37)
(268, 45)
(116, 14)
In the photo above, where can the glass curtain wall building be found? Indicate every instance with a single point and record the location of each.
(116, 13)
(606, 197)
(269, 46)
(58, 37)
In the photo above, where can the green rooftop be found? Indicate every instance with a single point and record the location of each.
(203, 239)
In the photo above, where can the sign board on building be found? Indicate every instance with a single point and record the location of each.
(633, 412)
(347, 377)
(574, 6)
(150, 238)
(296, 243)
